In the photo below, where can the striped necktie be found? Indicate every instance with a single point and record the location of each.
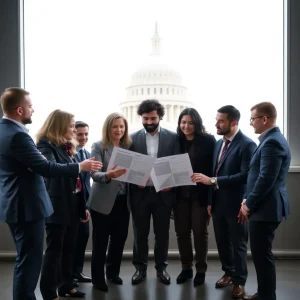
(226, 145)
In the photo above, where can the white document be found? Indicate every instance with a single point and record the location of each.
(138, 166)
(171, 171)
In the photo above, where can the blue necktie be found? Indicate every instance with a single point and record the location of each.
(82, 155)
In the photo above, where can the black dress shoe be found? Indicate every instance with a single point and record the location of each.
(138, 276)
(199, 279)
(76, 294)
(115, 279)
(75, 284)
(184, 276)
(163, 276)
(102, 286)
(82, 278)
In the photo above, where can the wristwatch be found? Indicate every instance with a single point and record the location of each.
(213, 180)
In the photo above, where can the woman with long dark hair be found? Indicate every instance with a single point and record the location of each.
(190, 210)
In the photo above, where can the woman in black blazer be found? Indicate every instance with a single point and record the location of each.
(55, 141)
(190, 210)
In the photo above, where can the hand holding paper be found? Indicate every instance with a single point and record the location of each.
(113, 173)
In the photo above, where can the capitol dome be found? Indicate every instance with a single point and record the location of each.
(155, 80)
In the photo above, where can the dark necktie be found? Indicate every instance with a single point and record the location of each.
(227, 142)
(82, 155)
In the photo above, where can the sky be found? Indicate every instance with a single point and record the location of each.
(80, 55)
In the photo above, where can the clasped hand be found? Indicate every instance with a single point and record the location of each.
(243, 213)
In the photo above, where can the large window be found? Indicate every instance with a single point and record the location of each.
(80, 55)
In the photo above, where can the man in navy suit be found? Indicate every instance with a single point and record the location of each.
(231, 164)
(24, 201)
(266, 201)
(82, 136)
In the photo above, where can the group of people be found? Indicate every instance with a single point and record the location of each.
(46, 185)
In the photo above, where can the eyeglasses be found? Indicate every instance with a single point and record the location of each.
(252, 119)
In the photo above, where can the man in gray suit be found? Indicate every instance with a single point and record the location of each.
(145, 201)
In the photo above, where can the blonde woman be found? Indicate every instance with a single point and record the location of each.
(108, 205)
(55, 141)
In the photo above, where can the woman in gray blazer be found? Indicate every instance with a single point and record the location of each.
(108, 205)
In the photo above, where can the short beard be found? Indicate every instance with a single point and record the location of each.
(224, 131)
(152, 128)
(26, 121)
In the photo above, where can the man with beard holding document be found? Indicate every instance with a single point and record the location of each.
(144, 201)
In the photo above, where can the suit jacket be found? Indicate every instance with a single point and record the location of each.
(266, 189)
(23, 195)
(86, 176)
(204, 145)
(62, 190)
(232, 175)
(103, 192)
(168, 145)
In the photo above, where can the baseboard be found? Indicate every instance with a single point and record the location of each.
(173, 254)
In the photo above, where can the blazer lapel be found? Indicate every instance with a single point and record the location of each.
(232, 145)
(216, 154)
(142, 142)
(161, 141)
(77, 158)
(62, 153)
(110, 150)
(275, 129)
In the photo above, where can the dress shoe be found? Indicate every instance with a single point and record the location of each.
(138, 276)
(238, 291)
(253, 297)
(184, 276)
(163, 276)
(199, 279)
(76, 294)
(75, 284)
(224, 281)
(115, 279)
(101, 286)
(82, 278)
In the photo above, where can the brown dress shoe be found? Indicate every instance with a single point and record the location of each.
(238, 291)
(224, 281)
(253, 297)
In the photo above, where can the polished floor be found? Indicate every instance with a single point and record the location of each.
(288, 287)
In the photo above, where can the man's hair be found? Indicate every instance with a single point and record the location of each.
(233, 114)
(79, 124)
(147, 106)
(266, 109)
(11, 98)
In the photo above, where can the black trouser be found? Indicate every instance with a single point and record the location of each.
(261, 238)
(57, 269)
(190, 216)
(109, 230)
(82, 238)
(142, 209)
(29, 240)
(231, 238)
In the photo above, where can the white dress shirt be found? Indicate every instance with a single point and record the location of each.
(152, 142)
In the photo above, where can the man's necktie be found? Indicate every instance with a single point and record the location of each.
(227, 142)
(82, 155)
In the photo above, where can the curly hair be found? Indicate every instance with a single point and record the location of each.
(147, 106)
